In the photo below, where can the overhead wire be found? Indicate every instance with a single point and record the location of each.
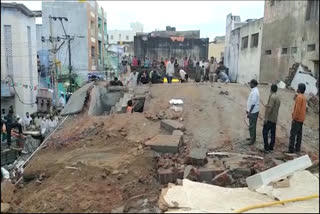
(16, 93)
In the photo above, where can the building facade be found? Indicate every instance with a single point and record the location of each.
(19, 75)
(250, 51)
(87, 23)
(166, 44)
(124, 36)
(216, 48)
(290, 35)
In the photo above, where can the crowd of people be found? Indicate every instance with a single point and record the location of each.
(10, 121)
(147, 71)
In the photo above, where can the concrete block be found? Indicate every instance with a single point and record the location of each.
(165, 143)
(208, 172)
(198, 156)
(278, 172)
(177, 133)
(166, 176)
(171, 125)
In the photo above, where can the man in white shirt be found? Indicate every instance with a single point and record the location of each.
(170, 70)
(253, 110)
(132, 81)
(27, 120)
(183, 75)
(62, 101)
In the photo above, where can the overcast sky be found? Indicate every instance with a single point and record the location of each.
(207, 16)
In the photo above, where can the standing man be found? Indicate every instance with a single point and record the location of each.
(212, 69)
(62, 101)
(170, 70)
(10, 124)
(253, 110)
(270, 119)
(133, 79)
(298, 116)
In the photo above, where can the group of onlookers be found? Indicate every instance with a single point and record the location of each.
(148, 71)
(271, 117)
(10, 121)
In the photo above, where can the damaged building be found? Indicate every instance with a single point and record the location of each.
(290, 35)
(266, 48)
(170, 43)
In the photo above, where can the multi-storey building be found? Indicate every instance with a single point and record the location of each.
(125, 36)
(19, 76)
(87, 22)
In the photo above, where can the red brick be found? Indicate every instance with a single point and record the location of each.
(223, 179)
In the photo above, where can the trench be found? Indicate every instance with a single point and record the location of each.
(105, 101)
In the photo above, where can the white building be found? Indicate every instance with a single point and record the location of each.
(243, 48)
(118, 36)
(18, 58)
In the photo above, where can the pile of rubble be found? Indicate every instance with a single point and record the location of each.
(313, 102)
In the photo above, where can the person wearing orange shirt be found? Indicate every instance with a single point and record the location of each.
(298, 116)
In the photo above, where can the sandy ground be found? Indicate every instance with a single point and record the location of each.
(218, 121)
(100, 164)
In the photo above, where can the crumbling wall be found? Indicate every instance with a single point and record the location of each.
(286, 26)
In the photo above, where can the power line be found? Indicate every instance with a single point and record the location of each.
(25, 103)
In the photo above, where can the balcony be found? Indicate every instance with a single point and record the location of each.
(6, 90)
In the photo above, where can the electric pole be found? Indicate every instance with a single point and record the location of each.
(54, 71)
(70, 67)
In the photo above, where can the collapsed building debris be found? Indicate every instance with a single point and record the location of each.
(118, 153)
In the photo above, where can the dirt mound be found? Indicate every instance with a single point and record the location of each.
(102, 157)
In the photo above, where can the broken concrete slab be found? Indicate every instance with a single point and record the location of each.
(165, 143)
(102, 100)
(171, 125)
(198, 156)
(300, 184)
(198, 197)
(304, 76)
(177, 132)
(278, 172)
(76, 101)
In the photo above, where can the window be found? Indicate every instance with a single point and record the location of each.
(312, 10)
(311, 47)
(294, 50)
(268, 52)
(120, 36)
(8, 49)
(284, 51)
(93, 51)
(244, 42)
(111, 37)
(127, 37)
(254, 40)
